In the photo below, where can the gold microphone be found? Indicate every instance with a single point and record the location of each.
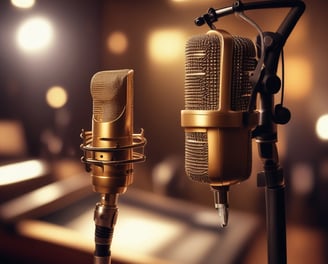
(109, 150)
(216, 120)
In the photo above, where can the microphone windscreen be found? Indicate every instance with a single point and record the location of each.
(108, 90)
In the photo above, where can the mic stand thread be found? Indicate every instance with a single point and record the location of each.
(105, 216)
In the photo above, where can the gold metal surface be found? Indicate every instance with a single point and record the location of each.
(112, 127)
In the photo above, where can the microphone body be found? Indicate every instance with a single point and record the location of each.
(112, 128)
(216, 119)
(109, 150)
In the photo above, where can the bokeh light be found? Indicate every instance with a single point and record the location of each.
(25, 170)
(23, 3)
(35, 34)
(56, 97)
(166, 45)
(302, 178)
(322, 127)
(117, 42)
(298, 77)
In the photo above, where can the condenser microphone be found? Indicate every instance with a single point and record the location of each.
(112, 127)
(216, 119)
(109, 150)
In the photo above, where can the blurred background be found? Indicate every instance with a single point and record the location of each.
(49, 51)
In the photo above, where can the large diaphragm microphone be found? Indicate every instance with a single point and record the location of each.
(109, 150)
(216, 119)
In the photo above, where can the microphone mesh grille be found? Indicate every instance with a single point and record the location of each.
(108, 90)
(196, 156)
(243, 62)
(202, 75)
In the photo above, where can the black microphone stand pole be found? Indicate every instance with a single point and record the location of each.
(271, 177)
(266, 136)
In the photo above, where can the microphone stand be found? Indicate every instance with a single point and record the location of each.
(266, 136)
(272, 175)
(266, 83)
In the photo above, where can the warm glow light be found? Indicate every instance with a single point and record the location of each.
(21, 171)
(322, 127)
(136, 227)
(166, 45)
(23, 3)
(35, 34)
(298, 77)
(117, 42)
(13, 145)
(302, 178)
(149, 229)
(56, 97)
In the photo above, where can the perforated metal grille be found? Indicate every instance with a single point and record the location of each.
(196, 156)
(202, 75)
(243, 63)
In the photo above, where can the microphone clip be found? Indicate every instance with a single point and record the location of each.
(214, 14)
(139, 141)
(208, 18)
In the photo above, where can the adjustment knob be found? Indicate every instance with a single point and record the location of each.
(281, 114)
(272, 84)
(199, 21)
